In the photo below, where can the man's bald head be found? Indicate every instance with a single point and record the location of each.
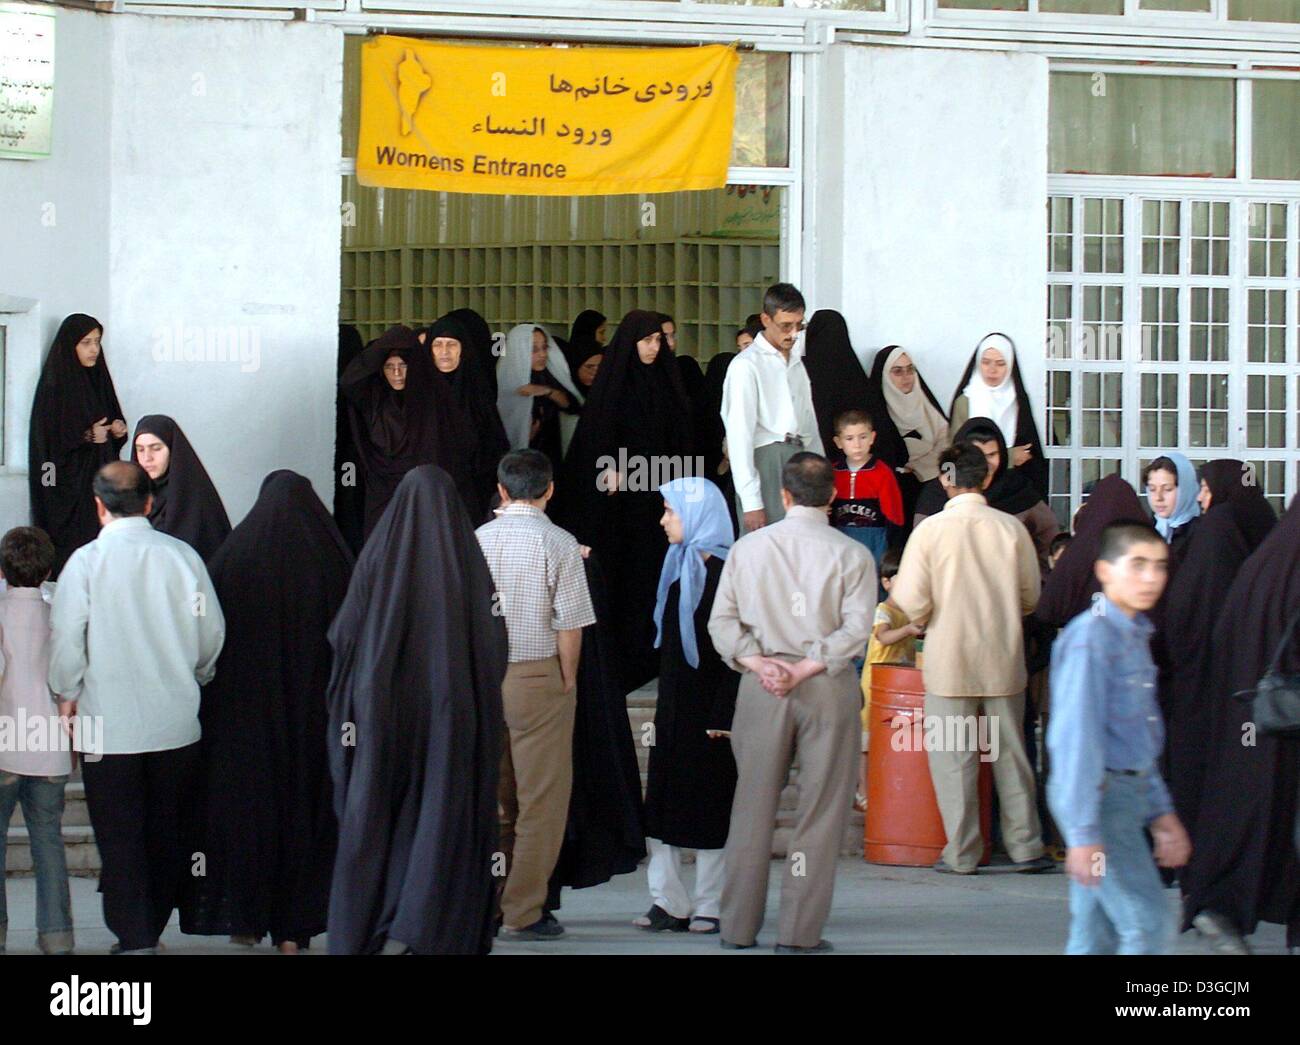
(123, 489)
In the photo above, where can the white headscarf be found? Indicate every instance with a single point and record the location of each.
(514, 370)
(911, 411)
(999, 404)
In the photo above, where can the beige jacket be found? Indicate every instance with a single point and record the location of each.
(970, 575)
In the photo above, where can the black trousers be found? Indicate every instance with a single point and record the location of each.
(139, 808)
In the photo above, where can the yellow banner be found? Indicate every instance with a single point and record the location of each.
(545, 121)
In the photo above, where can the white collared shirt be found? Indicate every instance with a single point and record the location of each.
(136, 631)
(765, 398)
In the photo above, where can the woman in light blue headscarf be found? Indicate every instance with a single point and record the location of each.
(1172, 486)
(692, 774)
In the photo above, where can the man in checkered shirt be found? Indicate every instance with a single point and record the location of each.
(542, 592)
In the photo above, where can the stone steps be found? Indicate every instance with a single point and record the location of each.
(83, 856)
(78, 839)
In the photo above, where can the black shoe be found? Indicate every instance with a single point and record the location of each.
(657, 920)
(1038, 865)
(820, 947)
(727, 945)
(550, 918)
(539, 930)
(946, 868)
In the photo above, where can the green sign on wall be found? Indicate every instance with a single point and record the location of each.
(26, 81)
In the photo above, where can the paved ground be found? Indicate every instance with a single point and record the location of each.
(878, 910)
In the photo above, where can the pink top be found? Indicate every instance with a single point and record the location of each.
(31, 742)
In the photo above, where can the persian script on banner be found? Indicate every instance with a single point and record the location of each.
(26, 81)
(545, 121)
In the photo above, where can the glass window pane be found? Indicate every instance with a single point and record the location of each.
(1125, 124)
(986, 5)
(761, 134)
(1175, 5)
(1082, 7)
(1276, 136)
(1264, 10)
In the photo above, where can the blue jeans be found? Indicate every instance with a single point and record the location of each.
(42, 801)
(1126, 913)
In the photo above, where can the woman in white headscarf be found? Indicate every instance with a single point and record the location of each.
(535, 393)
(911, 429)
(992, 387)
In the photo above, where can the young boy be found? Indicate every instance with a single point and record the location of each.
(1105, 737)
(867, 500)
(34, 778)
(893, 641)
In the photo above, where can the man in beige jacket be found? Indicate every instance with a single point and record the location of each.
(794, 607)
(970, 575)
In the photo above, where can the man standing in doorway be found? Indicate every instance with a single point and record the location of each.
(767, 408)
(794, 607)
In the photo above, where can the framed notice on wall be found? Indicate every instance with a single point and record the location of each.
(26, 81)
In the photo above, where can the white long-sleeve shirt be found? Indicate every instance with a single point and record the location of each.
(764, 399)
(136, 631)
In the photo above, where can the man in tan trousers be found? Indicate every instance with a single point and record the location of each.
(542, 586)
(970, 575)
(794, 607)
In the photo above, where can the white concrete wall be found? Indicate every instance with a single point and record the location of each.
(225, 204)
(54, 221)
(197, 160)
(929, 201)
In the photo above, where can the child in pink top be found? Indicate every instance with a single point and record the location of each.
(35, 753)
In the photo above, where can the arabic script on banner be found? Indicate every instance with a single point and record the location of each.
(544, 121)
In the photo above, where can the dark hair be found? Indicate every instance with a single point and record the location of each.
(890, 562)
(124, 487)
(853, 417)
(1118, 537)
(783, 297)
(525, 474)
(965, 462)
(1160, 464)
(1061, 540)
(982, 434)
(810, 479)
(26, 556)
(753, 321)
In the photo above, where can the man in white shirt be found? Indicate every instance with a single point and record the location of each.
(767, 408)
(136, 630)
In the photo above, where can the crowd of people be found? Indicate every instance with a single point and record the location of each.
(404, 722)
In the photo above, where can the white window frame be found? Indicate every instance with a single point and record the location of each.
(1164, 27)
(23, 356)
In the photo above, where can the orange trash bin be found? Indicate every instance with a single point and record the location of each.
(902, 826)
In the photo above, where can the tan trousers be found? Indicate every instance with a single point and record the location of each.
(536, 779)
(955, 774)
(819, 721)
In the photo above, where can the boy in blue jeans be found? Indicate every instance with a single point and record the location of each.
(1105, 734)
(35, 756)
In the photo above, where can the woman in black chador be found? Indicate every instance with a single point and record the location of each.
(76, 428)
(692, 776)
(835, 373)
(479, 442)
(1244, 868)
(400, 413)
(1237, 519)
(265, 818)
(349, 497)
(415, 732)
(186, 504)
(634, 434)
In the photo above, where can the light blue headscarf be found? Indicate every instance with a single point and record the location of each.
(1185, 508)
(706, 527)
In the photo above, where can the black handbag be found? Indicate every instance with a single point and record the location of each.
(1275, 701)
